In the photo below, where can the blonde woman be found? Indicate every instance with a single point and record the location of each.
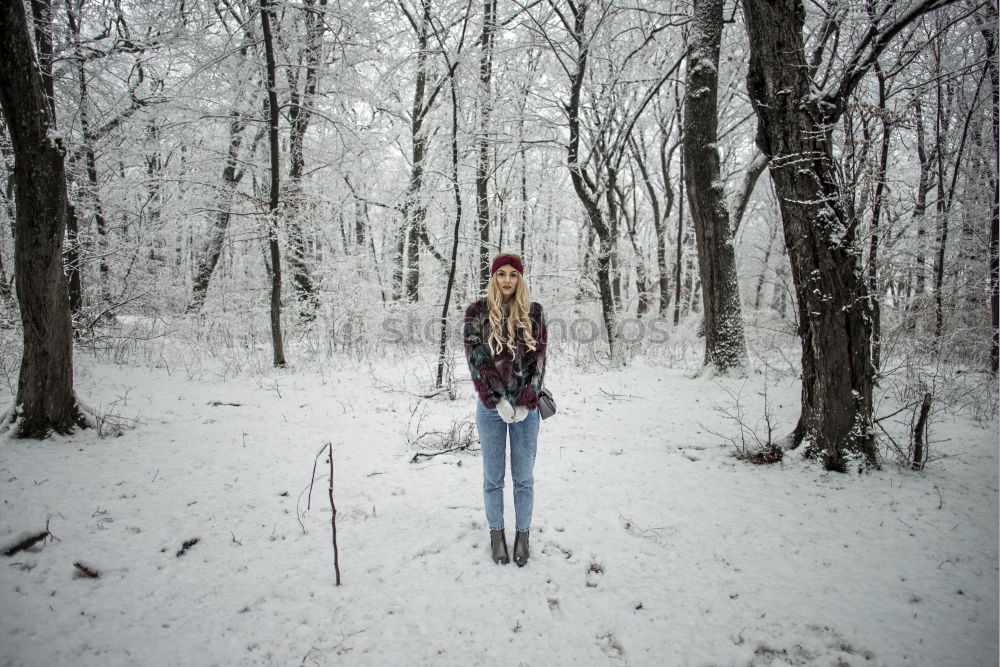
(505, 340)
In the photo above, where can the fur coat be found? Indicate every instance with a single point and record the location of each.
(516, 377)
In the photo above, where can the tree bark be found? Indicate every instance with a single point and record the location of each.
(990, 34)
(300, 112)
(232, 174)
(751, 175)
(41, 11)
(45, 398)
(766, 265)
(583, 184)
(873, 227)
(666, 157)
(835, 317)
(779, 297)
(414, 209)
(725, 344)
(273, 115)
(659, 221)
(453, 263)
(924, 183)
(613, 216)
(679, 254)
(482, 140)
(941, 130)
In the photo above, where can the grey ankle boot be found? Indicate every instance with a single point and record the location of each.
(521, 547)
(498, 544)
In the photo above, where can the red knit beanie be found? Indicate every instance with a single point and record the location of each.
(501, 260)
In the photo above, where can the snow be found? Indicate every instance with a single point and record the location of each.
(651, 544)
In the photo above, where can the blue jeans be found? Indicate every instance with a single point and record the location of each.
(523, 443)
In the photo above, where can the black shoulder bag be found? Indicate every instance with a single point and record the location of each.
(546, 404)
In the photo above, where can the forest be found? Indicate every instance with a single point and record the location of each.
(778, 218)
(340, 163)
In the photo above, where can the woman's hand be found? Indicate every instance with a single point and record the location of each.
(506, 411)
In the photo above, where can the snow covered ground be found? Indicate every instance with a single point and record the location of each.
(651, 544)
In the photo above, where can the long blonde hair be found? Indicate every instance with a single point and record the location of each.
(507, 317)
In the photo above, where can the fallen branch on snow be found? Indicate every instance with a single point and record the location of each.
(187, 545)
(26, 543)
(84, 570)
(420, 456)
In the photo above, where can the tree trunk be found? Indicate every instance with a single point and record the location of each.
(834, 306)
(73, 263)
(666, 157)
(642, 283)
(940, 136)
(990, 33)
(101, 224)
(232, 174)
(207, 258)
(584, 185)
(766, 265)
(725, 345)
(924, 184)
(453, 263)
(779, 297)
(7, 284)
(45, 400)
(398, 259)
(679, 251)
(659, 222)
(41, 11)
(752, 173)
(273, 115)
(873, 227)
(613, 217)
(414, 209)
(299, 114)
(482, 140)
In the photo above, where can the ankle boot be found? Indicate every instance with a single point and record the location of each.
(521, 547)
(498, 544)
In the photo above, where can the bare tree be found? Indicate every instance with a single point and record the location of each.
(45, 398)
(835, 314)
(660, 210)
(601, 116)
(725, 345)
(989, 30)
(266, 18)
(407, 273)
(457, 192)
(302, 104)
(486, 39)
(241, 113)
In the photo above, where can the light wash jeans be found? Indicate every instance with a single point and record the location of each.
(523, 443)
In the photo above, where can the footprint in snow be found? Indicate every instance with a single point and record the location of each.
(611, 646)
(594, 573)
(551, 548)
(551, 588)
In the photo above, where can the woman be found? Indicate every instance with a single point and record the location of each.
(505, 340)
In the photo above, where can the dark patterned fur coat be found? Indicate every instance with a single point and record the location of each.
(516, 377)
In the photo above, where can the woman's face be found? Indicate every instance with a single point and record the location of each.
(507, 277)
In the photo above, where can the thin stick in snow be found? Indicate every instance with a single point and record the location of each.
(313, 478)
(333, 519)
